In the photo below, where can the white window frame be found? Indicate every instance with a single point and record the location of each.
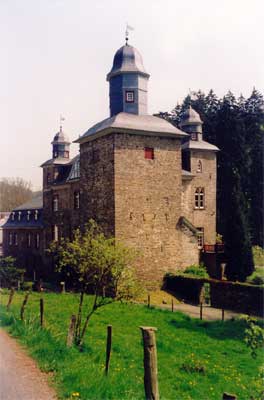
(200, 238)
(29, 240)
(55, 233)
(55, 203)
(130, 96)
(199, 198)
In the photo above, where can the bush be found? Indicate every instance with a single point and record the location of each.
(258, 254)
(197, 270)
(257, 278)
(27, 285)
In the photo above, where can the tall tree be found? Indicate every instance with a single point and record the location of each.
(14, 192)
(237, 237)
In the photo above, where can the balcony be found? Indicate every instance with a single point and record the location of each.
(214, 248)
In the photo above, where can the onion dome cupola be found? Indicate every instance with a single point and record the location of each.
(192, 124)
(60, 145)
(128, 82)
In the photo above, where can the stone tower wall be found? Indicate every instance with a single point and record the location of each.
(148, 205)
(206, 217)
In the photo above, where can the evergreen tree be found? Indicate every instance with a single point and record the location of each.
(254, 186)
(238, 245)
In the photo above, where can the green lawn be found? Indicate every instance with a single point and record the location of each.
(185, 347)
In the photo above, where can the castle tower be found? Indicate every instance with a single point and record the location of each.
(191, 123)
(199, 158)
(128, 82)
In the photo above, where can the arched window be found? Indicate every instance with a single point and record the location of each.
(55, 203)
(199, 166)
(28, 215)
(76, 200)
(37, 239)
(29, 239)
(199, 198)
(12, 216)
(19, 215)
(36, 215)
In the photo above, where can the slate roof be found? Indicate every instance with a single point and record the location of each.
(199, 145)
(132, 123)
(35, 204)
(127, 59)
(190, 117)
(187, 174)
(56, 161)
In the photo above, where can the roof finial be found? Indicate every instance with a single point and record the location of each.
(62, 119)
(128, 28)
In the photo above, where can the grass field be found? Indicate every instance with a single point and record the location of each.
(196, 359)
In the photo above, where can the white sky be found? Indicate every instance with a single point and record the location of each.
(55, 55)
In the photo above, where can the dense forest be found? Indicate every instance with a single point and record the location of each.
(236, 126)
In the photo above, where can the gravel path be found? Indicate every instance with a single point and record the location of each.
(20, 378)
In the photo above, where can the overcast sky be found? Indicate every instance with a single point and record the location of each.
(55, 55)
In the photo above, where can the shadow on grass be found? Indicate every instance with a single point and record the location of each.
(220, 330)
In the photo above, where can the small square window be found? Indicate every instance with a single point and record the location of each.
(149, 153)
(130, 96)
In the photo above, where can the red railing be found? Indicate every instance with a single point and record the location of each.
(213, 248)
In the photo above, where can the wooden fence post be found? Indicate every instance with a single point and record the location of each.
(150, 363)
(108, 348)
(148, 300)
(23, 306)
(71, 330)
(172, 305)
(41, 308)
(11, 295)
(201, 311)
(223, 314)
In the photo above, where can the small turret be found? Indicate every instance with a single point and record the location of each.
(60, 145)
(192, 124)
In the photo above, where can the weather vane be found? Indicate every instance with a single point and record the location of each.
(128, 28)
(62, 119)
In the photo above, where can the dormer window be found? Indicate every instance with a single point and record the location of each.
(12, 216)
(19, 215)
(28, 215)
(130, 96)
(36, 215)
(194, 136)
